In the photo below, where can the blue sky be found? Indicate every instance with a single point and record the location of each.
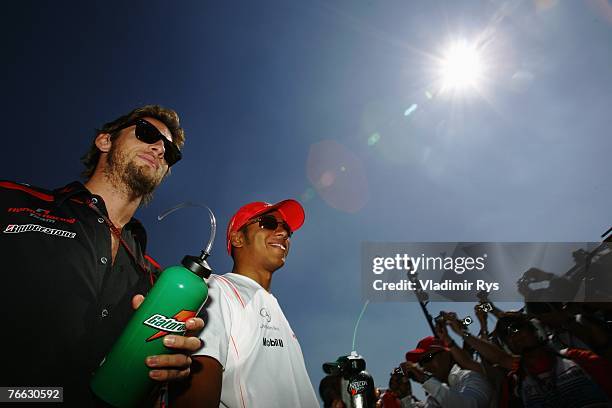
(309, 101)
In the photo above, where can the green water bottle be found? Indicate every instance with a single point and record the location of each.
(122, 379)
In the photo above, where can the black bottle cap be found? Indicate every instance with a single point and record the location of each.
(197, 265)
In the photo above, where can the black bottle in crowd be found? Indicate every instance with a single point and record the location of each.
(357, 384)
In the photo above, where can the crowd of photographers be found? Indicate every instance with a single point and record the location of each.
(547, 354)
(544, 355)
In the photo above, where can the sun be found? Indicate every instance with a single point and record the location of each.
(461, 67)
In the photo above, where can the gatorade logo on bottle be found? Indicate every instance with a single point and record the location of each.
(165, 325)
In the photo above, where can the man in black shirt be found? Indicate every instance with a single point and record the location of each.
(74, 261)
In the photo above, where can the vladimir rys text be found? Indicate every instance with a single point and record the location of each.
(430, 285)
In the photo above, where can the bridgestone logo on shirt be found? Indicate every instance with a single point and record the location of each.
(167, 324)
(16, 229)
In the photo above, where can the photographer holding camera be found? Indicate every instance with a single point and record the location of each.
(572, 378)
(432, 364)
(399, 393)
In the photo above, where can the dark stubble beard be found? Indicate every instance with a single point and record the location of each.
(126, 175)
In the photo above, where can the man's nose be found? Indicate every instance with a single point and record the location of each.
(158, 147)
(281, 230)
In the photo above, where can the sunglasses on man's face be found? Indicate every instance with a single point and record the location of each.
(270, 222)
(428, 357)
(514, 328)
(148, 133)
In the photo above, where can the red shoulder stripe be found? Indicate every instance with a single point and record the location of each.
(153, 261)
(38, 194)
(233, 287)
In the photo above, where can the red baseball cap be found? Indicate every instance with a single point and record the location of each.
(424, 346)
(290, 210)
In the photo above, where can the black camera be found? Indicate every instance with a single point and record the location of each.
(400, 370)
(485, 307)
(440, 319)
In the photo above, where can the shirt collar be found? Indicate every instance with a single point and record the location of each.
(248, 281)
(79, 193)
(74, 190)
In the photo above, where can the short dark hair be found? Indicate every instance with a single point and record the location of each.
(167, 116)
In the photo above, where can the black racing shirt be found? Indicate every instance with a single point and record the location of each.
(63, 300)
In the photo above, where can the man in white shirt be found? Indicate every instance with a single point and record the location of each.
(250, 355)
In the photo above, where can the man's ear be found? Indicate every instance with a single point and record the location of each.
(103, 142)
(237, 239)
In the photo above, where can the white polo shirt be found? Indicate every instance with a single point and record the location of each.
(247, 332)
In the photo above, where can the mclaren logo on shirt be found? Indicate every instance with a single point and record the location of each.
(263, 312)
(19, 228)
(273, 342)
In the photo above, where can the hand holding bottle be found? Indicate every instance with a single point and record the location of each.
(171, 367)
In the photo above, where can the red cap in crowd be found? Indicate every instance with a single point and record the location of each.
(426, 345)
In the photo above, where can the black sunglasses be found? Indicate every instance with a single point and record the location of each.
(514, 328)
(148, 133)
(428, 357)
(270, 222)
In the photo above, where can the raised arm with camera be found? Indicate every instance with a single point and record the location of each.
(481, 311)
(460, 356)
(570, 323)
(486, 305)
(486, 349)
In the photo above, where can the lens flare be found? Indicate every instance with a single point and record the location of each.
(373, 139)
(308, 194)
(338, 176)
(411, 109)
(461, 67)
